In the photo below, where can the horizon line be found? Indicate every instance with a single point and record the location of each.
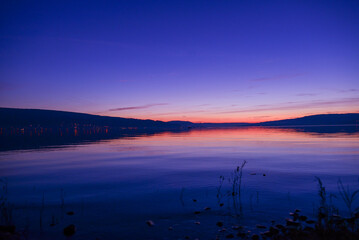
(174, 120)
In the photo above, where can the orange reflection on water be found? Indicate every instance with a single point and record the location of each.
(263, 139)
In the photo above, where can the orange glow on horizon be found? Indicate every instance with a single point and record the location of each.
(227, 118)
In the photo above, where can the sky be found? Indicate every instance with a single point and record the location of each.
(200, 61)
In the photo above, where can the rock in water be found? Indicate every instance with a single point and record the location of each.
(69, 230)
(260, 226)
(150, 223)
(230, 235)
(255, 237)
(9, 229)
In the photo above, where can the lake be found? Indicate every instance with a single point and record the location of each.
(113, 186)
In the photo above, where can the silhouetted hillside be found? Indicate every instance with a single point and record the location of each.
(313, 120)
(321, 119)
(50, 118)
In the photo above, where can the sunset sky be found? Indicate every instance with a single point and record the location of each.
(201, 61)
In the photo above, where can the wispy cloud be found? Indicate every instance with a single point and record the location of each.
(137, 107)
(306, 94)
(299, 105)
(349, 90)
(278, 77)
(181, 112)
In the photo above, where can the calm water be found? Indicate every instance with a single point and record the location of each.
(114, 186)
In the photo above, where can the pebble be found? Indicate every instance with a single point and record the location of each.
(69, 230)
(230, 235)
(150, 223)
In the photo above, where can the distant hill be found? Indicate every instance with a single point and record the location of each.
(35, 117)
(313, 120)
(316, 120)
(183, 123)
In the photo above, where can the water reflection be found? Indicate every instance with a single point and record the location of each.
(37, 138)
(119, 181)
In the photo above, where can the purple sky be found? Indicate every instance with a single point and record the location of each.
(203, 61)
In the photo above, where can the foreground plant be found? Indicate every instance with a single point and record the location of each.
(328, 224)
(5, 207)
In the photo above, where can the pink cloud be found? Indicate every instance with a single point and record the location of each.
(137, 107)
